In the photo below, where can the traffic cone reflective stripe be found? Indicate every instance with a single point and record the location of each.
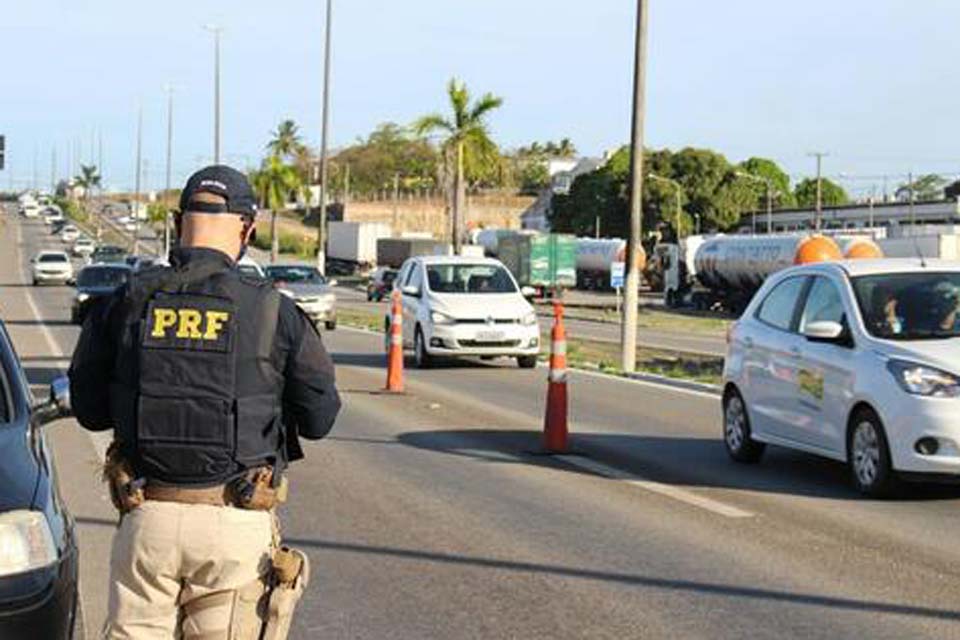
(555, 419)
(395, 351)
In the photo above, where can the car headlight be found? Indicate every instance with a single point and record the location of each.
(529, 319)
(441, 318)
(922, 380)
(26, 542)
(83, 297)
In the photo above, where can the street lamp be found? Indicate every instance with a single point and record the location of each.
(322, 220)
(677, 189)
(216, 31)
(769, 184)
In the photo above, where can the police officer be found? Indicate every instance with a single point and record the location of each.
(207, 378)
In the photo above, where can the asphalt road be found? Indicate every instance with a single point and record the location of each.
(429, 515)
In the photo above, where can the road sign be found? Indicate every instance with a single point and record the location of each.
(617, 273)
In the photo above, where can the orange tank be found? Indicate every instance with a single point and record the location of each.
(817, 249)
(862, 249)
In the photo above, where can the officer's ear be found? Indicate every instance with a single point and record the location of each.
(249, 232)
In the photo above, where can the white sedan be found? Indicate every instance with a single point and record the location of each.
(460, 306)
(856, 361)
(51, 267)
(83, 247)
(70, 234)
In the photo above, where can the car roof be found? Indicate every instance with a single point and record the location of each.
(880, 266)
(51, 252)
(429, 260)
(99, 266)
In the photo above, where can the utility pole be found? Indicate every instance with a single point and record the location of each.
(913, 216)
(396, 201)
(628, 328)
(346, 187)
(322, 220)
(819, 155)
(136, 198)
(53, 170)
(100, 156)
(216, 31)
(166, 191)
(36, 183)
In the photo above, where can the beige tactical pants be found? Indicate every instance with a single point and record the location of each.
(186, 571)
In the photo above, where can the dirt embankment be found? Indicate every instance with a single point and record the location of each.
(418, 214)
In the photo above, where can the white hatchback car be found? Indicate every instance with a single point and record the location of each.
(461, 306)
(857, 361)
(69, 234)
(51, 266)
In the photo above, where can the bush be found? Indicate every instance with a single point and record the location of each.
(289, 243)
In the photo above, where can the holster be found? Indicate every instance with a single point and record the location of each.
(126, 490)
(258, 490)
(289, 576)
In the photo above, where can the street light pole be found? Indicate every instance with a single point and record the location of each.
(322, 220)
(819, 155)
(628, 328)
(216, 31)
(166, 192)
(136, 199)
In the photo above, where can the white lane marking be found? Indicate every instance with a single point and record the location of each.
(100, 440)
(663, 386)
(666, 490)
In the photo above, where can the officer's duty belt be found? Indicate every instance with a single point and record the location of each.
(219, 496)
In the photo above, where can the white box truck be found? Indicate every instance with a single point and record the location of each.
(352, 246)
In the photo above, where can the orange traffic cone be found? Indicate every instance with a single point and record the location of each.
(395, 345)
(555, 421)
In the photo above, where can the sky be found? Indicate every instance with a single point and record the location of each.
(872, 83)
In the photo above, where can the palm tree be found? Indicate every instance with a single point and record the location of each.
(286, 142)
(466, 138)
(274, 182)
(566, 148)
(88, 180)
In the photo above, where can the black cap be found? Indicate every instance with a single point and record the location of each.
(223, 181)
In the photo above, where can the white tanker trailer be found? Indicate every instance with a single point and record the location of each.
(595, 257)
(728, 270)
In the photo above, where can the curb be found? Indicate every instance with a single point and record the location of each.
(677, 383)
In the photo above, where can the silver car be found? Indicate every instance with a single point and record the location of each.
(309, 289)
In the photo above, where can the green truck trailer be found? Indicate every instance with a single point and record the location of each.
(542, 261)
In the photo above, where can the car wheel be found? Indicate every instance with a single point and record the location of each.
(36, 282)
(330, 325)
(869, 456)
(527, 362)
(422, 358)
(736, 430)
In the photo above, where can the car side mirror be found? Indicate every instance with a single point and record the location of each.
(824, 331)
(58, 404)
(334, 282)
(528, 292)
(410, 290)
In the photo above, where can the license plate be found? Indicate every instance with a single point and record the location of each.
(489, 336)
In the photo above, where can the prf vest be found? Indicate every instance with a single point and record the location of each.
(181, 415)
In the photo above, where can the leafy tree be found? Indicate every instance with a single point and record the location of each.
(89, 179)
(467, 140)
(286, 141)
(832, 194)
(925, 188)
(770, 171)
(952, 190)
(387, 151)
(273, 183)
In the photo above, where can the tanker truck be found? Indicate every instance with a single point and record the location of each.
(595, 257)
(725, 271)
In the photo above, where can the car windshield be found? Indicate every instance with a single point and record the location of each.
(305, 275)
(52, 257)
(469, 278)
(249, 270)
(102, 277)
(910, 306)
